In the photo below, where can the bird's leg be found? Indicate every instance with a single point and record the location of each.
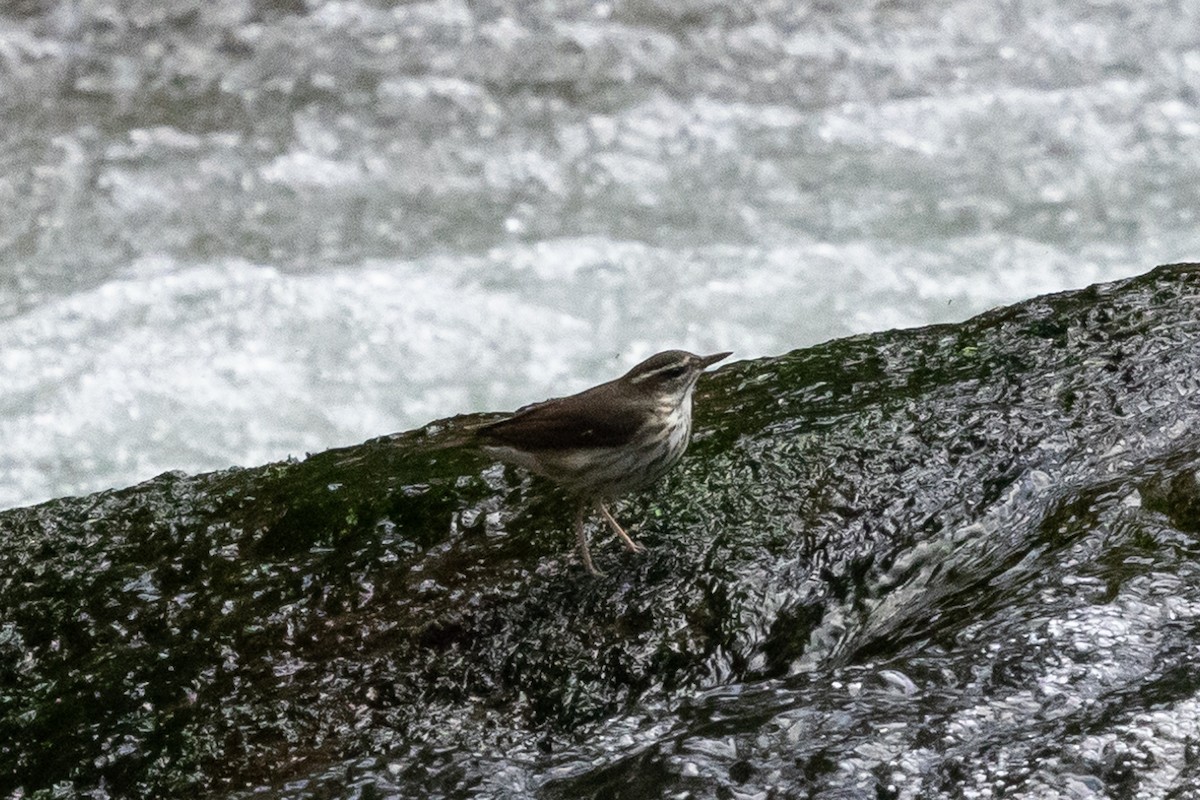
(630, 544)
(581, 535)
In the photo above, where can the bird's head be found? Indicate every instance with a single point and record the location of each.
(670, 374)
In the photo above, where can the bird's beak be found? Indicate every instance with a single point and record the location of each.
(708, 361)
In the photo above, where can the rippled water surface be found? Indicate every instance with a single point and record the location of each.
(239, 230)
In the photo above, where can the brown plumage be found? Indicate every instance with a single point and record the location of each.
(607, 440)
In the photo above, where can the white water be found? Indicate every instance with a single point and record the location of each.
(233, 238)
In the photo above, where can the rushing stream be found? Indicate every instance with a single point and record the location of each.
(235, 230)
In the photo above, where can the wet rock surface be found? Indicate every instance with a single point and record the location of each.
(958, 561)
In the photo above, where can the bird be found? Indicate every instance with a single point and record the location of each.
(605, 441)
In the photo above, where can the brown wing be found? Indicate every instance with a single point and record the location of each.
(590, 419)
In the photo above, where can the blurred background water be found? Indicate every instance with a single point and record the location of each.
(235, 230)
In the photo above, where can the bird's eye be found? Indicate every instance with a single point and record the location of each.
(674, 372)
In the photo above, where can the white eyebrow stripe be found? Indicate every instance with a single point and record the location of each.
(663, 368)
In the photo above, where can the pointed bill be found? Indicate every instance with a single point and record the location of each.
(708, 361)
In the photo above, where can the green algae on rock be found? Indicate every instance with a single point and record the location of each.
(913, 563)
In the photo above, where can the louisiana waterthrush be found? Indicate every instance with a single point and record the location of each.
(607, 440)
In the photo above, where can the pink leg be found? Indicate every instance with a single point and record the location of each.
(630, 544)
(581, 535)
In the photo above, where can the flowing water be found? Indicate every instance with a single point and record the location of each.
(237, 230)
